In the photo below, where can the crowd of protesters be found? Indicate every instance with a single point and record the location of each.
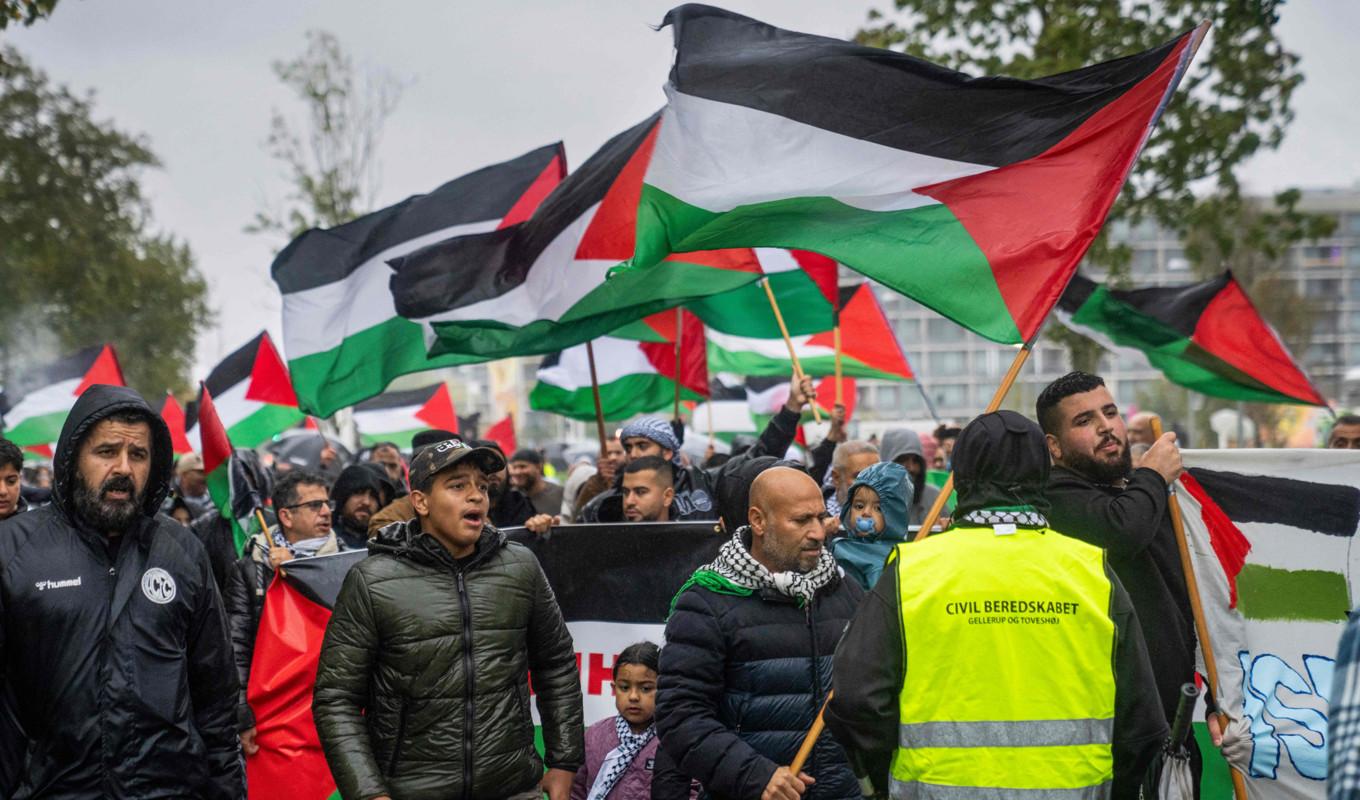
(128, 616)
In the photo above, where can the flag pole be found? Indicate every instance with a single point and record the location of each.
(679, 335)
(1197, 607)
(595, 391)
(793, 355)
(836, 335)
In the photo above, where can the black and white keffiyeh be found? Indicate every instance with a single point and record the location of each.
(1020, 517)
(617, 761)
(736, 565)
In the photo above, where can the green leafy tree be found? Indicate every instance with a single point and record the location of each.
(79, 264)
(332, 166)
(1233, 102)
(24, 12)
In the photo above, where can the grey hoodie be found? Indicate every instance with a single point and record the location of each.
(900, 442)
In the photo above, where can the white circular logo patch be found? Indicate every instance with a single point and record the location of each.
(158, 586)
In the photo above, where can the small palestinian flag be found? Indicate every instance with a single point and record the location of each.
(344, 338)
(540, 287)
(974, 196)
(1271, 535)
(173, 414)
(635, 377)
(1204, 336)
(35, 404)
(397, 416)
(804, 285)
(869, 347)
(290, 764)
(745, 405)
(217, 456)
(254, 394)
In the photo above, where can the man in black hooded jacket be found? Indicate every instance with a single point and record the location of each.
(113, 640)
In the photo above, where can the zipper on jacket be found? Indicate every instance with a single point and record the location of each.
(400, 738)
(469, 685)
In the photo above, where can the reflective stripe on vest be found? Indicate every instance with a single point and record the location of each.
(1009, 682)
(915, 790)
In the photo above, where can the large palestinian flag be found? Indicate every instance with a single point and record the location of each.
(397, 416)
(1272, 538)
(1204, 336)
(34, 405)
(297, 606)
(974, 196)
(635, 377)
(344, 338)
(869, 347)
(540, 287)
(253, 394)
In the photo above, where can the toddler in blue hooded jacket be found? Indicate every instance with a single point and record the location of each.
(875, 520)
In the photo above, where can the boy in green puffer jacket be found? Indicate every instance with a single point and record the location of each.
(422, 687)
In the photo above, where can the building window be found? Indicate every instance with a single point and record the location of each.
(950, 396)
(949, 363)
(1323, 288)
(887, 397)
(1144, 261)
(939, 329)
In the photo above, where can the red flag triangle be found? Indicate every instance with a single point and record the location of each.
(216, 445)
(269, 381)
(503, 434)
(173, 414)
(105, 370)
(438, 411)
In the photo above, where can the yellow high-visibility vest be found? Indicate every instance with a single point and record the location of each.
(1009, 661)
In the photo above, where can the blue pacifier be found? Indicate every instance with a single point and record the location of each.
(864, 524)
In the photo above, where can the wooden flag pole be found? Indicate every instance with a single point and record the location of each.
(931, 518)
(599, 410)
(1206, 646)
(679, 336)
(836, 336)
(793, 355)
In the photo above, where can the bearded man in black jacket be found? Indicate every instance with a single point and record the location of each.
(1098, 497)
(114, 641)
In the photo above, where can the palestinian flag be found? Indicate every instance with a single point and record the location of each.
(397, 416)
(634, 377)
(34, 405)
(869, 347)
(974, 196)
(173, 414)
(297, 606)
(217, 454)
(804, 285)
(745, 405)
(1204, 336)
(635, 571)
(344, 338)
(540, 287)
(253, 392)
(1272, 538)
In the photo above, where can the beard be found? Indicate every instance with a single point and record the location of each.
(1101, 471)
(105, 515)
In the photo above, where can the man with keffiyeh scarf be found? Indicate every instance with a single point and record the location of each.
(747, 661)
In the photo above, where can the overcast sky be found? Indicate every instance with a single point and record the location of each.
(488, 81)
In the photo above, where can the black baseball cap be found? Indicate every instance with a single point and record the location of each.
(433, 459)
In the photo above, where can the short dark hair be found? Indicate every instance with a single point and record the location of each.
(1046, 407)
(1344, 419)
(11, 454)
(663, 468)
(384, 445)
(286, 488)
(526, 454)
(643, 654)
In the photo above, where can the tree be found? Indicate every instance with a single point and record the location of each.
(1234, 100)
(79, 265)
(24, 12)
(333, 167)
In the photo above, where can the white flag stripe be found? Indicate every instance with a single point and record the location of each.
(614, 359)
(718, 156)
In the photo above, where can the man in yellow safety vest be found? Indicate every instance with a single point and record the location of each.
(1000, 659)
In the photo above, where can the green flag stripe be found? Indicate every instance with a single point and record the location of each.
(929, 255)
(746, 311)
(620, 399)
(1270, 593)
(38, 430)
(262, 425)
(746, 363)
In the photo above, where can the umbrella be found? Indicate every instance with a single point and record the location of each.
(304, 449)
(1170, 769)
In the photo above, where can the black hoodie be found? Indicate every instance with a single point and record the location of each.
(118, 657)
(354, 479)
